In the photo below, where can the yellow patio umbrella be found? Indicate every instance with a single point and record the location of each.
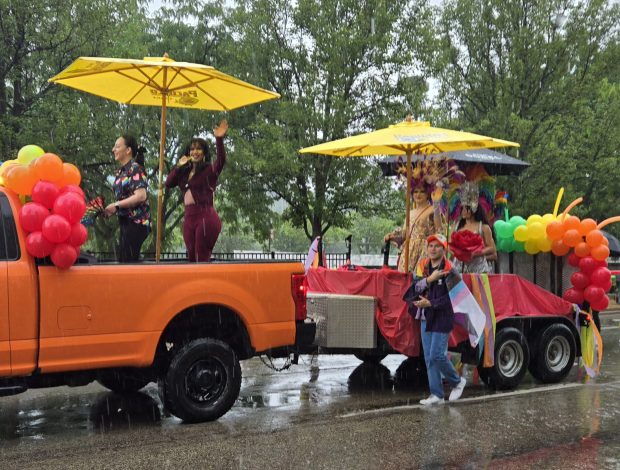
(160, 81)
(407, 138)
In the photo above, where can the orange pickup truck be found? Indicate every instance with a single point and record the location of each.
(184, 325)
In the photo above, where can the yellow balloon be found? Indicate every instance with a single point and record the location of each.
(521, 233)
(28, 153)
(1, 181)
(533, 218)
(544, 245)
(536, 230)
(531, 247)
(548, 218)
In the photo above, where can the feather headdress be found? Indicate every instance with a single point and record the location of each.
(477, 190)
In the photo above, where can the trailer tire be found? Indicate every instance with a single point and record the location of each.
(553, 354)
(370, 355)
(512, 356)
(202, 381)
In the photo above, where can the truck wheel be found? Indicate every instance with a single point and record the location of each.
(512, 356)
(553, 354)
(202, 381)
(122, 381)
(370, 355)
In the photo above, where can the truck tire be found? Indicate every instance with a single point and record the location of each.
(122, 381)
(512, 356)
(370, 355)
(202, 381)
(553, 354)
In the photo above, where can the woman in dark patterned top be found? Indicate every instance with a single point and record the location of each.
(197, 178)
(130, 193)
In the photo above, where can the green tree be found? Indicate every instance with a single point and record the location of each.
(342, 67)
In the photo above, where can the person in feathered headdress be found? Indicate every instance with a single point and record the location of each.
(430, 178)
(472, 204)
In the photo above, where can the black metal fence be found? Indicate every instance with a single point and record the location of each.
(332, 260)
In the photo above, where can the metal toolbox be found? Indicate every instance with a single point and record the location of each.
(343, 321)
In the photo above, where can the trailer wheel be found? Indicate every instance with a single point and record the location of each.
(512, 356)
(370, 355)
(553, 354)
(202, 381)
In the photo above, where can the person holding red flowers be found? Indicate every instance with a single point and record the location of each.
(472, 244)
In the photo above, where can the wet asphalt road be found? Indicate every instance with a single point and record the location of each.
(327, 412)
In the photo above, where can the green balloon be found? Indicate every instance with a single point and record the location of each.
(518, 246)
(28, 153)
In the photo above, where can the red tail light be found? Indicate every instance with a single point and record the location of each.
(298, 290)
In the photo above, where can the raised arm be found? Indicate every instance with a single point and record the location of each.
(220, 153)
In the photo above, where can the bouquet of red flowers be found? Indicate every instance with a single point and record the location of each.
(464, 244)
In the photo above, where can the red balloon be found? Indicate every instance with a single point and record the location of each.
(71, 206)
(64, 255)
(593, 294)
(607, 286)
(56, 228)
(587, 265)
(573, 260)
(579, 280)
(45, 193)
(574, 296)
(78, 236)
(32, 215)
(600, 277)
(602, 262)
(601, 304)
(73, 188)
(38, 246)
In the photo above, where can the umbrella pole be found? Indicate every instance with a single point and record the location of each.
(407, 209)
(160, 193)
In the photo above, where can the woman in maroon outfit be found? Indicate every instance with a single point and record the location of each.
(197, 178)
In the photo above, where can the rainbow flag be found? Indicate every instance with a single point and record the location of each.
(482, 293)
(467, 312)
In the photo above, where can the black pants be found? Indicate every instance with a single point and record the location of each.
(132, 237)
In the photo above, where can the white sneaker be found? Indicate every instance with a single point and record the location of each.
(432, 400)
(457, 391)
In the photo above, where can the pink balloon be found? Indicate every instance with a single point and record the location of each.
(64, 255)
(574, 296)
(601, 304)
(587, 265)
(32, 215)
(38, 246)
(56, 228)
(573, 259)
(78, 236)
(45, 193)
(600, 277)
(579, 280)
(71, 206)
(73, 188)
(593, 294)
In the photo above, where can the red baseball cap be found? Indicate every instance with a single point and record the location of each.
(438, 237)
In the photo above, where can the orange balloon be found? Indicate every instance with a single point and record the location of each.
(7, 166)
(600, 252)
(582, 249)
(605, 241)
(558, 248)
(20, 179)
(571, 222)
(587, 225)
(48, 167)
(71, 175)
(555, 230)
(571, 238)
(595, 238)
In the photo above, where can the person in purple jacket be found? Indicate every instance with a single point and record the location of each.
(196, 176)
(428, 297)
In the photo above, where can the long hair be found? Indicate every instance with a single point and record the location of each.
(137, 152)
(479, 216)
(206, 161)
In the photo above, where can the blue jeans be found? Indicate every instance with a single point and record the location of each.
(435, 347)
